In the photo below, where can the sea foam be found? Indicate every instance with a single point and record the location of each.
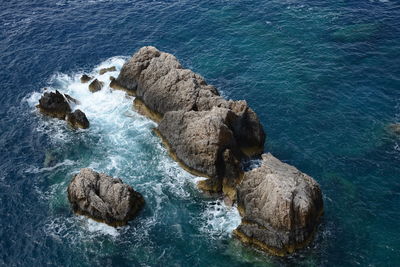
(125, 147)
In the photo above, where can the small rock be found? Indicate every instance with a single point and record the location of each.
(54, 105)
(77, 119)
(85, 78)
(95, 86)
(103, 197)
(102, 71)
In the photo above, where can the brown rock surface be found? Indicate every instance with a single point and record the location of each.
(54, 104)
(77, 119)
(199, 139)
(280, 207)
(95, 86)
(103, 198)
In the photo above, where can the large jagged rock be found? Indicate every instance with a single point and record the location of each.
(54, 104)
(203, 142)
(189, 112)
(280, 207)
(103, 198)
(160, 82)
(77, 119)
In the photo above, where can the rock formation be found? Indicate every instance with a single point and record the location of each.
(103, 198)
(77, 119)
(54, 105)
(104, 70)
(85, 78)
(162, 86)
(280, 207)
(210, 136)
(95, 86)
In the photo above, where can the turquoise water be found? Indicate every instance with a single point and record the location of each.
(324, 78)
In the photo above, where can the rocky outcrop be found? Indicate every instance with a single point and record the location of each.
(54, 104)
(280, 207)
(103, 198)
(85, 78)
(77, 119)
(161, 83)
(168, 93)
(104, 70)
(95, 86)
(210, 136)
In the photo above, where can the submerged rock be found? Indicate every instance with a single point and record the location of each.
(280, 207)
(85, 78)
(103, 198)
(394, 128)
(54, 104)
(77, 119)
(356, 32)
(104, 70)
(95, 86)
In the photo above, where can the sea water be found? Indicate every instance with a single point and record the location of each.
(323, 77)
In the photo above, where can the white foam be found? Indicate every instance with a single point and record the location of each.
(122, 137)
(39, 170)
(101, 228)
(219, 219)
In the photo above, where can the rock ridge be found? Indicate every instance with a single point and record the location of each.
(210, 136)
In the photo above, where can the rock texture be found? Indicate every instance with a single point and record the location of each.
(103, 198)
(280, 207)
(199, 139)
(104, 70)
(77, 119)
(210, 136)
(159, 80)
(85, 78)
(167, 93)
(95, 86)
(54, 104)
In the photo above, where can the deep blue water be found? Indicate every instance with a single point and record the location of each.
(323, 76)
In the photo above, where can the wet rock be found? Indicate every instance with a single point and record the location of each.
(103, 198)
(104, 70)
(280, 207)
(54, 104)
(356, 32)
(95, 86)
(199, 139)
(85, 78)
(77, 119)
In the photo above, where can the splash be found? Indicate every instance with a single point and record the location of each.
(120, 142)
